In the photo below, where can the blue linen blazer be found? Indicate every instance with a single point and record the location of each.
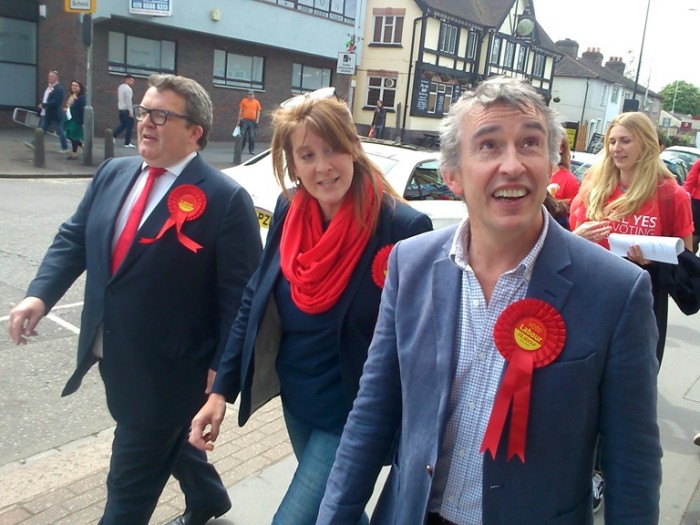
(603, 381)
(248, 364)
(166, 312)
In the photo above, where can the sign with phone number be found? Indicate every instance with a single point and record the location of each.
(152, 7)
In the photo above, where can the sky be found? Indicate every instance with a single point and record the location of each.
(671, 45)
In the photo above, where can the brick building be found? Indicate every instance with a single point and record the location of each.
(204, 40)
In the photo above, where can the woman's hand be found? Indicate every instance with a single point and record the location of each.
(210, 415)
(634, 254)
(594, 231)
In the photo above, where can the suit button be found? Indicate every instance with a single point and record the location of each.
(429, 470)
(108, 332)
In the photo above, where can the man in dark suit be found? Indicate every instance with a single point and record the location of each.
(51, 113)
(504, 347)
(157, 308)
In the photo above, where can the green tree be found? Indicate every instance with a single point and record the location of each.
(687, 98)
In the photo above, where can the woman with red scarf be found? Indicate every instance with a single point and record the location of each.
(308, 313)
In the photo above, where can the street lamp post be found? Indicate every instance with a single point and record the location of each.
(641, 51)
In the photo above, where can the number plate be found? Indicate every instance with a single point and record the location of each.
(264, 217)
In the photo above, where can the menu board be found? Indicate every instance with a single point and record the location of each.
(422, 99)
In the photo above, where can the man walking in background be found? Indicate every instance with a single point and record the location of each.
(248, 118)
(51, 111)
(125, 105)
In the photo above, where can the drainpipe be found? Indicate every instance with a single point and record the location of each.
(409, 83)
(585, 99)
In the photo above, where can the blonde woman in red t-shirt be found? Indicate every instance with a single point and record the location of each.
(631, 191)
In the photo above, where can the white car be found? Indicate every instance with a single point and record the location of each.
(685, 153)
(582, 161)
(412, 171)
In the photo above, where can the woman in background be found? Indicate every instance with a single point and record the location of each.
(73, 126)
(308, 313)
(567, 184)
(692, 186)
(632, 192)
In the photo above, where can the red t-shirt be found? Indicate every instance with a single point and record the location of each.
(568, 185)
(647, 220)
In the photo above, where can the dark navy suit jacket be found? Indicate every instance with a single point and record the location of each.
(248, 365)
(166, 312)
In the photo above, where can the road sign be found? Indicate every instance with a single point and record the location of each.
(81, 6)
(346, 63)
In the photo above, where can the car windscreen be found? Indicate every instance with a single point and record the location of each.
(426, 184)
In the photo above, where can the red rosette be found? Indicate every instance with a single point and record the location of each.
(185, 203)
(529, 334)
(380, 265)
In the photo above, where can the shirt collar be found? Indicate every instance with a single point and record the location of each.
(176, 168)
(460, 254)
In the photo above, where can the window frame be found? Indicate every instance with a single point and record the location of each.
(390, 26)
(301, 88)
(449, 36)
(383, 88)
(167, 55)
(496, 45)
(256, 74)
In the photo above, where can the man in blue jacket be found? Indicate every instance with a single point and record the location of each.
(504, 347)
(51, 111)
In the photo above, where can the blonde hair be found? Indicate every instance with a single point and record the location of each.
(565, 154)
(331, 120)
(603, 178)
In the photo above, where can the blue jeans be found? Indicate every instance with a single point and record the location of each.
(126, 124)
(248, 131)
(47, 123)
(315, 452)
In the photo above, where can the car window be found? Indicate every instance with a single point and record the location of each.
(426, 184)
(689, 158)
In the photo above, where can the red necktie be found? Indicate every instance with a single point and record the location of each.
(132, 223)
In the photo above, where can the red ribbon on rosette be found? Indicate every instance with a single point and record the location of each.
(380, 265)
(529, 334)
(186, 203)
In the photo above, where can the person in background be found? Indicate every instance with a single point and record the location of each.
(567, 184)
(379, 120)
(632, 192)
(75, 107)
(455, 311)
(125, 107)
(249, 112)
(692, 186)
(159, 303)
(51, 111)
(309, 311)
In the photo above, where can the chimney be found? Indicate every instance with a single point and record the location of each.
(568, 46)
(592, 55)
(616, 64)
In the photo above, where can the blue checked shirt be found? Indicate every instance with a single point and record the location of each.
(457, 488)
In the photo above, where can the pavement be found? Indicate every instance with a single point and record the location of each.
(65, 485)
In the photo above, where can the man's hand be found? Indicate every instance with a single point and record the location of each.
(23, 319)
(210, 415)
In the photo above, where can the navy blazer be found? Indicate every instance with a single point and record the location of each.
(603, 381)
(54, 103)
(248, 364)
(166, 312)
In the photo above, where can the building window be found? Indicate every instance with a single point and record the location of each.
(140, 56)
(509, 57)
(439, 98)
(387, 29)
(538, 68)
(18, 52)
(604, 98)
(471, 44)
(340, 10)
(448, 38)
(522, 56)
(615, 94)
(381, 88)
(496, 51)
(241, 71)
(307, 78)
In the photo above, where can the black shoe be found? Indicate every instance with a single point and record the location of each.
(252, 152)
(200, 517)
(598, 488)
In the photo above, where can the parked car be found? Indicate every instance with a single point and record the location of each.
(581, 162)
(686, 153)
(412, 171)
(676, 165)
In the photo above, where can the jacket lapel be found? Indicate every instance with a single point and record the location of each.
(547, 283)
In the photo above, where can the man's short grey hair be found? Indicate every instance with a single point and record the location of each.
(198, 106)
(496, 91)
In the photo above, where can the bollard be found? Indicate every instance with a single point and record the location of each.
(39, 148)
(237, 141)
(109, 144)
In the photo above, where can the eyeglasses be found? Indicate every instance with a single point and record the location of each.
(326, 92)
(158, 116)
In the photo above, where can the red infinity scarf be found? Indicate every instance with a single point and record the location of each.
(317, 263)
